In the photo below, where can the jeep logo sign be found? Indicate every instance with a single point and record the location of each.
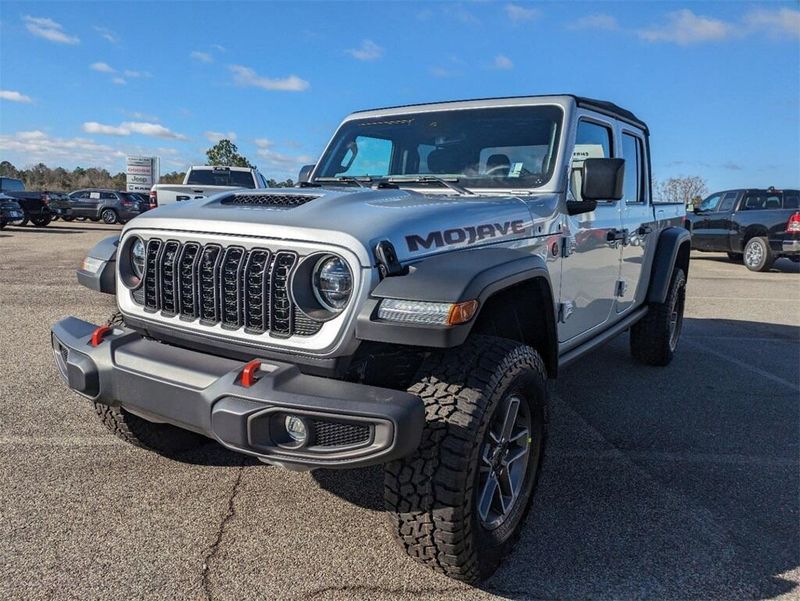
(468, 235)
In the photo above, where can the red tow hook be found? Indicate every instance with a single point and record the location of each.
(99, 334)
(249, 373)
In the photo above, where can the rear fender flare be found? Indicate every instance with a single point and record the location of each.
(672, 243)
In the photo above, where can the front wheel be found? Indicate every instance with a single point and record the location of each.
(758, 255)
(655, 336)
(41, 221)
(457, 504)
(108, 216)
(69, 218)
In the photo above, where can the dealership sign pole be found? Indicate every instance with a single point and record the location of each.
(142, 173)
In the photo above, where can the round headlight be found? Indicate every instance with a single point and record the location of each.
(137, 258)
(332, 283)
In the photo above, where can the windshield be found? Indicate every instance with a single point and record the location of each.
(506, 147)
(220, 177)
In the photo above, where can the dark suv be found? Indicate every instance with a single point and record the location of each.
(756, 226)
(108, 206)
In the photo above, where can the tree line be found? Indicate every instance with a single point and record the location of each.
(58, 179)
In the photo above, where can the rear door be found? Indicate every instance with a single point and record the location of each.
(638, 224)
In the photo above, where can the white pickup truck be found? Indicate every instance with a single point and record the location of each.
(204, 180)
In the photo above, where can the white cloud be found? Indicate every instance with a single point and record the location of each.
(368, 51)
(683, 27)
(102, 68)
(119, 81)
(107, 34)
(132, 127)
(782, 21)
(518, 13)
(48, 29)
(502, 62)
(14, 96)
(203, 57)
(135, 74)
(598, 21)
(218, 47)
(141, 116)
(30, 147)
(216, 136)
(280, 164)
(245, 76)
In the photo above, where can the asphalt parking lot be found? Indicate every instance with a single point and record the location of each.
(675, 483)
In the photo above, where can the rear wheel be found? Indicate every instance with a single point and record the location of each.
(68, 218)
(164, 439)
(457, 504)
(655, 337)
(735, 257)
(758, 255)
(109, 216)
(41, 221)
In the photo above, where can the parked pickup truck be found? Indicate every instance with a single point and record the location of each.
(35, 205)
(203, 181)
(756, 226)
(409, 306)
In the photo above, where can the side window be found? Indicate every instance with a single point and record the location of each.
(108, 196)
(711, 203)
(754, 202)
(367, 156)
(632, 153)
(791, 199)
(592, 141)
(727, 202)
(774, 201)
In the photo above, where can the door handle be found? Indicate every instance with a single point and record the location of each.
(644, 230)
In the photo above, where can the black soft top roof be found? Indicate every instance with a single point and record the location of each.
(601, 106)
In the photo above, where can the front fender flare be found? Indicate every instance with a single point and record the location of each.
(447, 278)
(104, 279)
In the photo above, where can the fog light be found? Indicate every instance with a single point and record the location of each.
(296, 428)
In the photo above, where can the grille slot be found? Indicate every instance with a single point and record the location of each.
(230, 286)
(335, 434)
(281, 201)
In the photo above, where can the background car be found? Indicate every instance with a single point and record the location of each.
(108, 206)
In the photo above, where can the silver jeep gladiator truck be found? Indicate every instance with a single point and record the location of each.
(408, 304)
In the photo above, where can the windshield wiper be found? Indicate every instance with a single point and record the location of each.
(346, 179)
(451, 183)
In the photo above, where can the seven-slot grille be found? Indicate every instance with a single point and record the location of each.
(232, 286)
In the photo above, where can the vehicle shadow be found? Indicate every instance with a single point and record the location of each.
(658, 483)
(782, 265)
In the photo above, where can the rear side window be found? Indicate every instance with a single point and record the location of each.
(592, 141)
(632, 153)
(761, 201)
(791, 199)
(108, 196)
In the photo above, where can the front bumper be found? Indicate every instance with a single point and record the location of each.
(12, 215)
(350, 425)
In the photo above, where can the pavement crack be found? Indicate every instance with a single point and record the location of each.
(215, 546)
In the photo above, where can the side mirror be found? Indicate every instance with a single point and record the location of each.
(576, 207)
(305, 174)
(602, 179)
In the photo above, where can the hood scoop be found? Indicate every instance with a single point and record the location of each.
(273, 201)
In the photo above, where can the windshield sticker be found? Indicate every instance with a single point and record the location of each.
(516, 169)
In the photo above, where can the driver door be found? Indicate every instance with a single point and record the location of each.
(591, 265)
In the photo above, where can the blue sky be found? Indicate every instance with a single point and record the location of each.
(88, 83)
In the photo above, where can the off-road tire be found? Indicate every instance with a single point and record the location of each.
(431, 495)
(68, 218)
(758, 255)
(109, 216)
(41, 221)
(164, 439)
(736, 257)
(653, 340)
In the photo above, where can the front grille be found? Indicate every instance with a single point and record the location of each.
(231, 286)
(334, 434)
(281, 201)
